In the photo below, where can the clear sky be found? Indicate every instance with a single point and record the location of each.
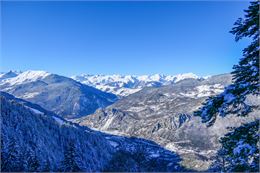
(120, 37)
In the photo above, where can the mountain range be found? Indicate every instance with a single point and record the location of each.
(124, 85)
(130, 117)
(56, 93)
(165, 115)
(72, 99)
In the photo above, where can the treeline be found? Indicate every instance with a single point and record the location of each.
(16, 159)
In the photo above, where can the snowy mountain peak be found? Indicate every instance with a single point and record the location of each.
(9, 74)
(180, 77)
(27, 76)
(123, 85)
(60, 94)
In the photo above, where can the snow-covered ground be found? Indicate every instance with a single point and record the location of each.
(35, 110)
(204, 91)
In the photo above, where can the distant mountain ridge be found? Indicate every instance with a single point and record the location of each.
(120, 85)
(56, 93)
(87, 93)
(124, 85)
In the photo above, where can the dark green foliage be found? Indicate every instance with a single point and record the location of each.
(122, 161)
(11, 157)
(249, 26)
(239, 151)
(47, 166)
(70, 162)
(31, 163)
(245, 74)
(3, 153)
(33, 142)
(139, 160)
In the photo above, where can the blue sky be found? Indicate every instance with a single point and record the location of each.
(120, 37)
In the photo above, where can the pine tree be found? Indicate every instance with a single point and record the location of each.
(245, 75)
(31, 163)
(122, 161)
(70, 162)
(12, 157)
(47, 166)
(4, 155)
(239, 151)
(240, 148)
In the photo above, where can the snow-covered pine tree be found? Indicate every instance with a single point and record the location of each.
(46, 165)
(31, 163)
(240, 148)
(245, 74)
(12, 162)
(3, 153)
(70, 162)
(239, 151)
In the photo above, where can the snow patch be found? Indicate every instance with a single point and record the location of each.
(59, 120)
(34, 110)
(243, 148)
(229, 97)
(180, 77)
(204, 91)
(137, 109)
(108, 122)
(154, 155)
(113, 144)
(30, 95)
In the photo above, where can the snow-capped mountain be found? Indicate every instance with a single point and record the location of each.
(165, 115)
(36, 140)
(23, 77)
(124, 85)
(60, 94)
(9, 74)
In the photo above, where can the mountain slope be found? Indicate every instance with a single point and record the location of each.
(30, 132)
(164, 115)
(34, 139)
(124, 85)
(60, 94)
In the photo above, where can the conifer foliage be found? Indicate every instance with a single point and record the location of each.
(70, 163)
(239, 151)
(10, 157)
(245, 74)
